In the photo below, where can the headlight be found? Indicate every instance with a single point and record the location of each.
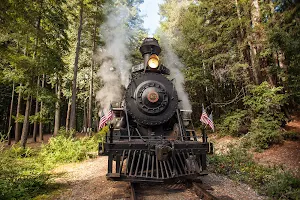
(153, 62)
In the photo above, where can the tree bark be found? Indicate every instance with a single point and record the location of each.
(35, 124)
(74, 87)
(244, 52)
(26, 123)
(90, 108)
(35, 127)
(17, 126)
(255, 45)
(41, 110)
(57, 109)
(84, 117)
(68, 115)
(10, 114)
(97, 119)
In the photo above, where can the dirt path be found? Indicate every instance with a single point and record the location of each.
(87, 180)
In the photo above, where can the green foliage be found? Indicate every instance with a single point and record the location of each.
(24, 173)
(264, 132)
(239, 165)
(291, 135)
(233, 122)
(65, 148)
(62, 149)
(262, 117)
(264, 103)
(102, 132)
(265, 100)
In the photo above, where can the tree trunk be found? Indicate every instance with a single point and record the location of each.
(35, 124)
(97, 119)
(25, 123)
(255, 19)
(255, 13)
(68, 116)
(10, 114)
(30, 108)
(256, 42)
(84, 117)
(254, 63)
(57, 110)
(90, 108)
(41, 110)
(17, 127)
(74, 87)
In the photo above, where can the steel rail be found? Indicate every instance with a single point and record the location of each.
(133, 191)
(202, 193)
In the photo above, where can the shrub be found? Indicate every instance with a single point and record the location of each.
(239, 165)
(264, 132)
(21, 175)
(291, 135)
(62, 149)
(265, 100)
(262, 117)
(24, 172)
(234, 122)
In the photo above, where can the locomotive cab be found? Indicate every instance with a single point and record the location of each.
(155, 140)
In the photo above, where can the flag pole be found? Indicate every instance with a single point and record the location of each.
(204, 135)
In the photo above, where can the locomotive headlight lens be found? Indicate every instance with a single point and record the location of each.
(153, 62)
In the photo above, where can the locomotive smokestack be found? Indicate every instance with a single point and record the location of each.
(150, 46)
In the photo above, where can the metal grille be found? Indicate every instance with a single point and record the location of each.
(144, 164)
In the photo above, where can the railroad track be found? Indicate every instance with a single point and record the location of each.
(133, 191)
(202, 192)
(190, 190)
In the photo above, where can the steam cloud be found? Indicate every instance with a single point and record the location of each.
(114, 71)
(172, 61)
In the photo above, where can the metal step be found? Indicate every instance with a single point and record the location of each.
(190, 130)
(118, 109)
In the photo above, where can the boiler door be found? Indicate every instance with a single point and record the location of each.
(151, 98)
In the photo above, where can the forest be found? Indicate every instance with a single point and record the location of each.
(240, 60)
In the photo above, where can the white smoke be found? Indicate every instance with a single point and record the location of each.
(172, 62)
(114, 71)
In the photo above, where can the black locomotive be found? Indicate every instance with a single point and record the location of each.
(153, 140)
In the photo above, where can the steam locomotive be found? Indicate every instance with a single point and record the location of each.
(153, 139)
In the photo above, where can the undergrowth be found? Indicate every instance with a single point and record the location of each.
(24, 173)
(272, 182)
(260, 119)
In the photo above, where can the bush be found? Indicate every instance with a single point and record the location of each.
(239, 165)
(21, 174)
(63, 149)
(291, 135)
(264, 132)
(24, 172)
(265, 100)
(262, 117)
(234, 122)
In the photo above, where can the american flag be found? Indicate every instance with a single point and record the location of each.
(110, 114)
(103, 120)
(207, 119)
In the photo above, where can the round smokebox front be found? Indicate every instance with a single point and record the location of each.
(151, 99)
